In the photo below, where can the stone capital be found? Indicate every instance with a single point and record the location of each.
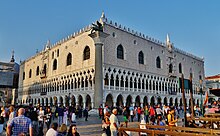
(98, 37)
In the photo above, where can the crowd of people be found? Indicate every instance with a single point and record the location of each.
(152, 115)
(31, 121)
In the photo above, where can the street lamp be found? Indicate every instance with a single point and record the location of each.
(200, 91)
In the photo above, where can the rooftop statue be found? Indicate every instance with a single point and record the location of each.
(97, 27)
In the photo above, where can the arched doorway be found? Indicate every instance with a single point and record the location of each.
(46, 101)
(55, 100)
(129, 101)
(176, 102)
(159, 100)
(152, 101)
(165, 101)
(171, 101)
(42, 100)
(119, 100)
(51, 101)
(73, 101)
(61, 101)
(109, 100)
(80, 101)
(145, 101)
(66, 100)
(181, 102)
(88, 102)
(38, 101)
(137, 101)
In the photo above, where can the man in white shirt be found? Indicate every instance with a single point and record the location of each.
(53, 130)
(114, 123)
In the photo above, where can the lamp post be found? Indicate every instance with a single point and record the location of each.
(200, 91)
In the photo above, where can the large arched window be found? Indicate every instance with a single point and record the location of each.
(37, 71)
(180, 68)
(120, 52)
(158, 62)
(86, 53)
(69, 59)
(170, 68)
(55, 64)
(141, 57)
(30, 73)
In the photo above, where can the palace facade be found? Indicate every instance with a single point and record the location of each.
(118, 66)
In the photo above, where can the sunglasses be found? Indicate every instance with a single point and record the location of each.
(74, 128)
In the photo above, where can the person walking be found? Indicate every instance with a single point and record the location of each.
(86, 114)
(114, 123)
(48, 118)
(34, 123)
(53, 130)
(60, 112)
(20, 125)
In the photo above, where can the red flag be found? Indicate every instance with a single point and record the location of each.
(206, 98)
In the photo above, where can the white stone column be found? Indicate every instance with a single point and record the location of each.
(98, 38)
(114, 82)
(124, 79)
(109, 85)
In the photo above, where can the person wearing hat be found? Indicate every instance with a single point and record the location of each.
(114, 123)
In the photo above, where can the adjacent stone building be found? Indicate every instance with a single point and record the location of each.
(213, 85)
(9, 73)
(118, 66)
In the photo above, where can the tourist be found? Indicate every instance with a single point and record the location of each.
(114, 123)
(73, 117)
(20, 125)
(62, 130)
(60, 112)
(100, 109)
(53, 111)
(65, 116)
(125, 116)
(12, 113)
(152, 112)
(146, 114)
(139, 113)
(3, 117)
(34, 123)
(53, 130)
(170, 117)
(48, 118)
(41, 117)
(131, 109)
(106, 124)
(73, 131)
(159, 111)
(86, 114)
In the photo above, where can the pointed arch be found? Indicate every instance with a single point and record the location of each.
(86, 53)
(171, 68)
(69, 59)
(180, 68)
(141, 57)
(158, 62)
(55, 64)
(120, 52)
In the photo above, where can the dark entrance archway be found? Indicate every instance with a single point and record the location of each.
(88, 102)
(119, 100)
(109, 100)
(137, 101)
(145, 101)
(129, 101)
(152, 101)
(165, 101)
(80, 101)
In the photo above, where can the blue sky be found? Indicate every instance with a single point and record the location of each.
(193, 25)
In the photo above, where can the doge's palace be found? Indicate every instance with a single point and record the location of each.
(118, 66)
